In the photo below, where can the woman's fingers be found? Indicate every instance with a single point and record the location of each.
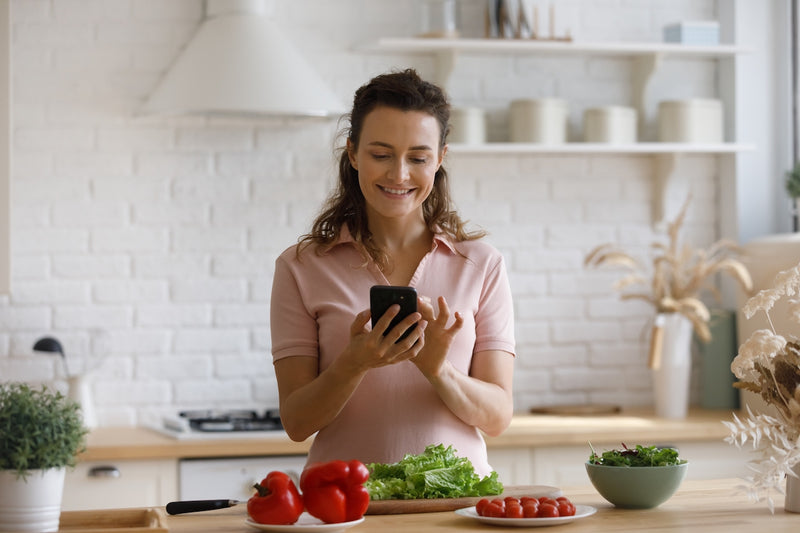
(360, 322)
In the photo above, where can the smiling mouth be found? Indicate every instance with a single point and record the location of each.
(395, 192)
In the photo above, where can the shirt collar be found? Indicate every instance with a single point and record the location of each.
(438, 237)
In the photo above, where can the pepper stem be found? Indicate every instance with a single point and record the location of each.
(262, 490)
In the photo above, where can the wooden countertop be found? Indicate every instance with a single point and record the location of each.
(637, 426)
(115, 443)
(711, 506)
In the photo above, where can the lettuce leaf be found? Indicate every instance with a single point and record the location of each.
(436, 473)
(638, 456)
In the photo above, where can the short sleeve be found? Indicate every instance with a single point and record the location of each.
(293, 328)
(494, 321)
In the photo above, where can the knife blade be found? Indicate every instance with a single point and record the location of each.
(192, 506)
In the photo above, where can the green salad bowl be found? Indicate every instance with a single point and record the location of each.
(636, 487)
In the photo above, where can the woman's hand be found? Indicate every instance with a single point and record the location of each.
(438, 337)
(371, 349)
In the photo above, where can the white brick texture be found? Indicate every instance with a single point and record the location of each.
(151, 241)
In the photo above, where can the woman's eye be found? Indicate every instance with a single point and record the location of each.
(419, 160)
(380, 156)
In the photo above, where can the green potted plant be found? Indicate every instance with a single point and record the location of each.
(793, 190)
(41, 434)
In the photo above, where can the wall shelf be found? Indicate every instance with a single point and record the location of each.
(419, 45)
(647, 57)
(599, 148)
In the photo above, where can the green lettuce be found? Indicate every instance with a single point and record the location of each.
(638, 456)
(436, 473)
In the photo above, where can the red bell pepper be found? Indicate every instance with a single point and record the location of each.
(334, 491)
(277, 500)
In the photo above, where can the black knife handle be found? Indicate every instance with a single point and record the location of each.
(191, 506)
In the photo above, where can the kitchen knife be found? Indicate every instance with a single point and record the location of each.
(191, 506)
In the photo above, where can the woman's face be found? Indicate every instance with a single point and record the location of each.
(397, 159)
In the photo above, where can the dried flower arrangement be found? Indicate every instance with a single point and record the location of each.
(679, 274)
(769, 365)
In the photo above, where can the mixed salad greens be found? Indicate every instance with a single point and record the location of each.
(436, 473)
(638, 456)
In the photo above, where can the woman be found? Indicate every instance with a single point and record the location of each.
(389, 222)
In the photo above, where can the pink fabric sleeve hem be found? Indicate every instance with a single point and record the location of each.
(486, 346)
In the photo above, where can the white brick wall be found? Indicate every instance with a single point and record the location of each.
(146, 245)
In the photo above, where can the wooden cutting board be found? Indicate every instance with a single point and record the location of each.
(451, 504)
(114, 521)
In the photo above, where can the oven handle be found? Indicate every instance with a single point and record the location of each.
(105, 471)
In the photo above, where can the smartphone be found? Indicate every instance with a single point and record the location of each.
(381, 297)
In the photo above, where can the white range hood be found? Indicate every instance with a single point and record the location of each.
(240, 63)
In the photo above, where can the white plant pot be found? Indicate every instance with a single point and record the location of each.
(671, 377)
(33, 504)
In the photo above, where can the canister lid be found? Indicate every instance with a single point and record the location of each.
(614, 110)
(692, 102)
(539, 102)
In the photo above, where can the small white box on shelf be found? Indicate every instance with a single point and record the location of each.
(696, 33)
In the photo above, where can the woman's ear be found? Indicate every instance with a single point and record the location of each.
(350, 155)
(441, 156)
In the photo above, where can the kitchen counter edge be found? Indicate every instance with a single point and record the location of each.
(137, 443)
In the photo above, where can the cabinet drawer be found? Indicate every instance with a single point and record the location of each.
(108, 485)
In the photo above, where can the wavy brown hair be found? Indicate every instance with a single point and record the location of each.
(406, 91)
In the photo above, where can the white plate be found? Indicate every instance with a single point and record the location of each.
(305, 524)
(581, 511)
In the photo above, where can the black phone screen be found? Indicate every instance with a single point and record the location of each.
(381, 297)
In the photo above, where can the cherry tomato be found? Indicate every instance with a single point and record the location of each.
(566, 508)
(545, 499)
(530, 509)
(524, 499)
(514, 509)
(480, 507)
(547, 510)
(501, 503)
(494, 510)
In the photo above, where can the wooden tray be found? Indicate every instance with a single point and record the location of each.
(114, 521)
(577, 410)
(436, 505)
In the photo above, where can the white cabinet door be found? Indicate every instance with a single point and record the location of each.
(108, 485)
(232, 478)
(513, 465)
(564, 465)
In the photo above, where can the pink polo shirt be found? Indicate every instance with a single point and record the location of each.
(394, 411)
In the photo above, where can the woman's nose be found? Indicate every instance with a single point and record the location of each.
(399, 171)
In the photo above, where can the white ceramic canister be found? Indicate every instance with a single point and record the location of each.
(695, 120)
(467, 125)
(541, 120)
(609, 124)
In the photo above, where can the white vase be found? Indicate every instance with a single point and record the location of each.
(792, 500)
(33, 504)
(674, 367)
(80, 392)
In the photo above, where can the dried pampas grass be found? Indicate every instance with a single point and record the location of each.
(679, 274)
(768, 364)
